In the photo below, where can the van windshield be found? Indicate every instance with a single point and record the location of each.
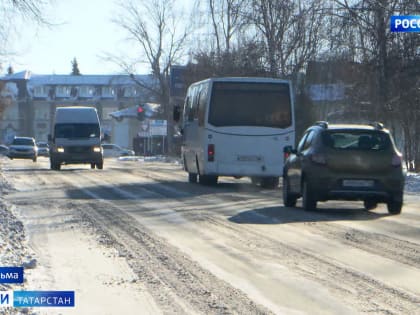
(250, 104)
(77, 130)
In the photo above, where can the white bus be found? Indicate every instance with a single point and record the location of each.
(237, 127)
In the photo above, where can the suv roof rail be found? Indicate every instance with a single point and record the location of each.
(323, 124)
(377, 125)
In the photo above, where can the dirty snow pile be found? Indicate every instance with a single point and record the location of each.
(412, 183)
(13, 249)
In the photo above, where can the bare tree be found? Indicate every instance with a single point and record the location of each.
(392, 61)
(226, 19)
(9, 11)
(160, 32)
(292, 32)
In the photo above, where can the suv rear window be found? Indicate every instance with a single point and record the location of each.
(356, 140)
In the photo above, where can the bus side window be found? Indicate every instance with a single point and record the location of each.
(202, 102)
(192, 106)
(187, 108)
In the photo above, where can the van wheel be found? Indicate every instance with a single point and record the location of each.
(269, 182)
(308, 198)
(92, 165)
(100, 166)
(192, 177)
(55, 167)
(370, 204)
(289, 200)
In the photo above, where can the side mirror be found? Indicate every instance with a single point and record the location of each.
(177, 113)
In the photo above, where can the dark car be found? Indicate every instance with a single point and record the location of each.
(43, 149)
(344, 162)
(23, 148)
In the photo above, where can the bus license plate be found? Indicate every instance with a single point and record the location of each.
(358, 183)
(249, 158)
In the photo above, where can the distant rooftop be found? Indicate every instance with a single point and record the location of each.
(85, 79)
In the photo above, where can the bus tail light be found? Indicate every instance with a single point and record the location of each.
(210, 152)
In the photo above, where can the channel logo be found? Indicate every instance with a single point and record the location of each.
(36, 299)
(405, 23)
(11, 274)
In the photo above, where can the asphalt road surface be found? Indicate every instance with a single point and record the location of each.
(137, 238)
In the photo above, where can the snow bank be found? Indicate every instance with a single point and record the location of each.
(412, 183)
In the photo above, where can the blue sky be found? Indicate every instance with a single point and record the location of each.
(85, 32)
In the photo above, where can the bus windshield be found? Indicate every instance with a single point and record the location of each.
(77, 131)
(250, 104)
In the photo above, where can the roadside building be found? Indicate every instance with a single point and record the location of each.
(33, 99)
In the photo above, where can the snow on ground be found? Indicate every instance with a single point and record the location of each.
(412, 183)
(13, 243)
(13, 246)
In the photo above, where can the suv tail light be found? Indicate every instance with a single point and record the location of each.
(210, 152)
(396, 160)
(318, 159)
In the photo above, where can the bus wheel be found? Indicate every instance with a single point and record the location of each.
(192, 177)
(269, 182)
(255, 180)
(208, 179)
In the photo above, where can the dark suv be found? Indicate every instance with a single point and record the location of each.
(347, 162)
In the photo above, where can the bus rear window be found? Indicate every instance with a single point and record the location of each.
(250, 104)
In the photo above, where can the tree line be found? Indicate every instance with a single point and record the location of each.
(277, 38)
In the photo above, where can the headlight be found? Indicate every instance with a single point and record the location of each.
(60, 150)
(96, 149)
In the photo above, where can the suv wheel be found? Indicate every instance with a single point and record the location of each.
(394, 205)
(289, 200)
(308, 198)
(55, 166)
(192, 177)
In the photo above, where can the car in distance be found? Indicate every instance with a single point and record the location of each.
(114, 150)
(23, 148)
(344, 162)
(43, 149)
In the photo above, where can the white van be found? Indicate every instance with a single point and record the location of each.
(237, 127)
(76, 137)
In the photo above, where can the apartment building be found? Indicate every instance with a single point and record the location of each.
(32, 99)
